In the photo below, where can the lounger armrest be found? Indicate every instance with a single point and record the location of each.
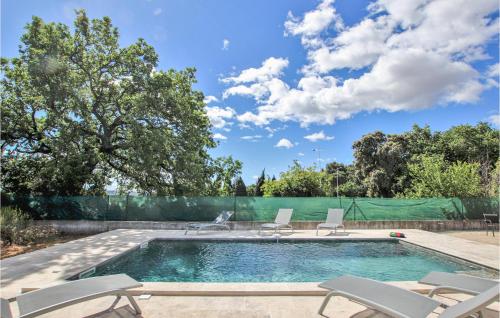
(440, 289)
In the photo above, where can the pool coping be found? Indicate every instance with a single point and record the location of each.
(118, 242)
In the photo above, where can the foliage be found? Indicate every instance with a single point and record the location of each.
(16, 228)
(494, 181)
(381, 163)
(391, 166)
(345, 175)
(240, 189)
(223, 172)
(79, 110)
(297, 181)
(432, 176)
(251, 190)
(260, 182)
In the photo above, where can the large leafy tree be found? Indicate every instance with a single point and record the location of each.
(224, 172)
(381, 163)
(79, 110)
(432, 176)
(298, 181)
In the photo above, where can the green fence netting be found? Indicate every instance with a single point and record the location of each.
(151, 208)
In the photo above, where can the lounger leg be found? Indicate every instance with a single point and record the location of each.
(317, 231)
(134, 304)
(115, 302)
(325, 302)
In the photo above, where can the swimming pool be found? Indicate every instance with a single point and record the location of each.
(290, 261)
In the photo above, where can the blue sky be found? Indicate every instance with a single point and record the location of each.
(281, 70)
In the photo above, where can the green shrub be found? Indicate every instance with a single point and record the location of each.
(16, 227)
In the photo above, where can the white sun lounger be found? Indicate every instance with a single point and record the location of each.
(398, 302)
(48, 299)
(449, 282)
(220, 222)
(282, 221)
(334, 220)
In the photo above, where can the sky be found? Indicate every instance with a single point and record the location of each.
(289, 80)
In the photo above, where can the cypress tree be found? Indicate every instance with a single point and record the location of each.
(260, 182)
(240, 189)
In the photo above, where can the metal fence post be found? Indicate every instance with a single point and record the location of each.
(107, 208)
(234, 208)
(126, 208)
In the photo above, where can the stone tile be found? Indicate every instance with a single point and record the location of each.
(56, 263)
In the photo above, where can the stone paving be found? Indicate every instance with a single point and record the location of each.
(54, 264)
(232, 307)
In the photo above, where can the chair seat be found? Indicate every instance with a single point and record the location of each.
(465, 282)
(406, 303)
(50, 296)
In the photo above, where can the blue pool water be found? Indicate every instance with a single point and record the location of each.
(313, 261)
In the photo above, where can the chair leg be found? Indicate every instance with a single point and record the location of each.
(317, 231)
(134, 304)
(325, 302)
(115, 302)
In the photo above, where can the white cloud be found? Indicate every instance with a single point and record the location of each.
(493, 71)
(313, 23)
(219, 136)
(318, 136)
(253, 138)
(270, 68)
(284, 143)
(410, 55)
(219, 116)
(157, 11)
(208, 99)
(225, 44)
(353, 48)
(494, 120)
(301, 154)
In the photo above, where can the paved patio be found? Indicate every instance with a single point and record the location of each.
(54, 264)
(241, 307)
(57, 263)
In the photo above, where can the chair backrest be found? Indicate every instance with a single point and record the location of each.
(284, 216)
(5, 308)
(472, 305)
(335, 216)
(223, 217)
